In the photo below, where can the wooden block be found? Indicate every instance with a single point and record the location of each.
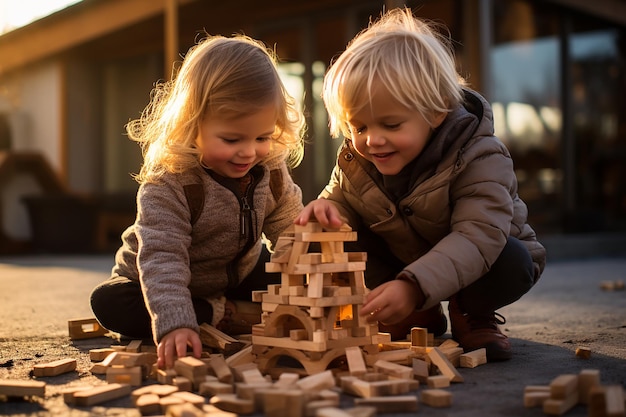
(444, 365)
(55, 368)
(420, 370)
(189, 397)
(22, 388)
(286, 380)
(85, 328)
(356, 363)
(283, 403)
(361, 411)
(156, 389)
(437, 398)
(232, 403)
(214, 338)
(331, 412)
(587, 379)
(184, 410)
(68, 393)
(191, 368)
(317, 382)
(395, 404)
(614, 399)
(100, 394)
(124, 375)
(134, 346)
(213, 411)
(221, 369)
(183, 383)
(535, 398)
(474, 358)
(563, 385)
(419, 336)
(166, 376)
(597, 401)
(211, 388)
(252, 376)
(148, 404)
(168, 403)
(559, 406)
(583, 352)
(438, 381)
(244, 356)
(98, 355)
(393, 369)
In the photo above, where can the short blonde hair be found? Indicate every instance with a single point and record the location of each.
(407, 56)
(227, 77)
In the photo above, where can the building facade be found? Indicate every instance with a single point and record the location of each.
(554, 71)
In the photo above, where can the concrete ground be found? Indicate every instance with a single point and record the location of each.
(566, 309)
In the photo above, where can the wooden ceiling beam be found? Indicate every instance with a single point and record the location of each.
(76, 25)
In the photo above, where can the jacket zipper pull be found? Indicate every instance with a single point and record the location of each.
(245, 214)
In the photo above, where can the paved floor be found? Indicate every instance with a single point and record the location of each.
(565, 310)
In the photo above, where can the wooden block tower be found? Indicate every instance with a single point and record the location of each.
(313, 315)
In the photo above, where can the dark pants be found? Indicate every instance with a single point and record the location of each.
(119, 306)
(511, 276)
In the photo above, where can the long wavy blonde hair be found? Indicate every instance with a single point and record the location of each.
(219, 76)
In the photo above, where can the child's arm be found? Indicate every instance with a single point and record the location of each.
(174, 345)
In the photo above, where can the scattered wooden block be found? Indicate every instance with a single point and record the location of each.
(444, 365)
(124, 375)
(438, 381)
(587, 379)
(98, 355)
(284, 403)
(184, 410)
(356, 363)
(437, 398)
(100, 394)
(148, 404)
(535, 398)
(85, 329)
(614, 400)
(583, 352)
(233, 404)
(317, 382)
(21, 388)
(55, 368)
(474, 358)
(396, 404)
(563, 385)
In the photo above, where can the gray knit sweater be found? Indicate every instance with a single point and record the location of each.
(175, 258)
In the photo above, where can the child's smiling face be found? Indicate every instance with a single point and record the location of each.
(232, 146)
(387, 133)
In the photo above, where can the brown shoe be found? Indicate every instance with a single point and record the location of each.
(433, 319)
(479, 331)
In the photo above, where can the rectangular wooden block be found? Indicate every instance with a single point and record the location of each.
(21, 388)
(437, 398)
(55, 368)
(100, 394)
(395, 404)
(85, 328)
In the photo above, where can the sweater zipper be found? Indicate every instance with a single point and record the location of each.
(245, 215)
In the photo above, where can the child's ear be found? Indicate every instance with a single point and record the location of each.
(438, 119)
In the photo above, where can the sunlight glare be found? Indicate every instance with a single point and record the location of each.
(15, 14)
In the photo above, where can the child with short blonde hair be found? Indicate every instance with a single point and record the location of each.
(428, 187)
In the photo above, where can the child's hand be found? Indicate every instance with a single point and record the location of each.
(390, 302)
(174, 344)
(322, 210)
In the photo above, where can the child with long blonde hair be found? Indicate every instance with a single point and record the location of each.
(218, 142)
